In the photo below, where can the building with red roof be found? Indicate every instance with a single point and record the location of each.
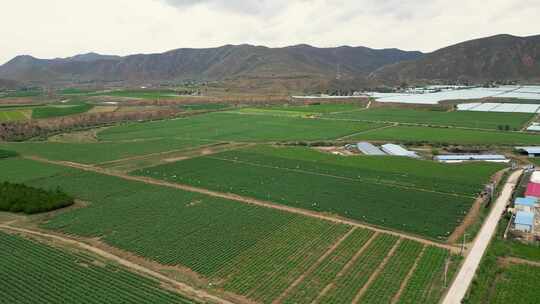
(533, 189)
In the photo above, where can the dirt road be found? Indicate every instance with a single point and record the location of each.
(466, 274)
(181, 287)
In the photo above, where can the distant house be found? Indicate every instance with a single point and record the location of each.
(524, 221)
(398, 150)
(531, 151)
(526, 204)
(369, 149)
(471, 157)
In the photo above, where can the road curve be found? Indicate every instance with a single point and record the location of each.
(465, 276)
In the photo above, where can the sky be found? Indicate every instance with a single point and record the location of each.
(62, 28)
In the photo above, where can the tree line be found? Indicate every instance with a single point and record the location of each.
(29, 200)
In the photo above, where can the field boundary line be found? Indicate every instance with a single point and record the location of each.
(246, 200)
(408, 277)
(386, 126)
(346, 267)
(189, 291)
(377, 272)
(137, 157)
(416, 124)
(341, 177)
(521, 261)
(313, 267)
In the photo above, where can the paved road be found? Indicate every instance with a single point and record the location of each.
(466, 274)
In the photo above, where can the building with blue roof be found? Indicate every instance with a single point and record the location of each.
(526, 203)
(524, 221)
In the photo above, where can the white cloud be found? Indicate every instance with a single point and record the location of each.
(60, 28)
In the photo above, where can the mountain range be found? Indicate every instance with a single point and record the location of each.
(501, 57)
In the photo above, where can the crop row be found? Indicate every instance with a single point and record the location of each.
(47, 271)
(346, 287)
(268, 268)
(424, 286)
(310, 287)
(389, 281)
(421, 212)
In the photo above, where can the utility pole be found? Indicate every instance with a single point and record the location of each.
(463, 244)
(446, 272)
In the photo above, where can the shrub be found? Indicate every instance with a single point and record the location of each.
(29, 200)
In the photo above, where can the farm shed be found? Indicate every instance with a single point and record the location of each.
(525, 203)
(369, 149)
(533, 189)
(534, 127)
(471, 157)
(524, 221)
(398, 150)
(531, 151)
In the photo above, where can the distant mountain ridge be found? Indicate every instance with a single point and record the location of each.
(500, 57)
(222, 63)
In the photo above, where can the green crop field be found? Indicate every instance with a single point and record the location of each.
(429, 199)
(57, 276)
(60, 110)
(92, 153)
(202, 233)
(14, 115)
(515, 283)
(448, 136)
(139, 94)
(319, 108)
(236, 127)
(248, 250)
(481, 120)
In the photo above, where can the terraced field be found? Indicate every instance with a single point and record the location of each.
(479, 120)
(448, 136)
(429, 199)
(236, 127)
(47, 271)
(93, 153)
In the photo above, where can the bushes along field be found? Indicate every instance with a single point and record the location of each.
(29, 200)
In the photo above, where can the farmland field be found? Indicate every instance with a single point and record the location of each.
(357, 188)
(448, 136)
(14, 115)
(56, 276)
(251, 251)
(514, 283)
(481, 120)
(140, 94)
(235, 127)
(60, 110)
(92, 153)
(170, 226)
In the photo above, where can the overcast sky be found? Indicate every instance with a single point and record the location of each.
(60, 28)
